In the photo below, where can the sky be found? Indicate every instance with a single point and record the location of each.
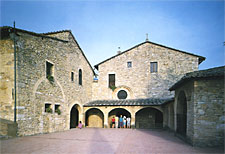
(101, 26)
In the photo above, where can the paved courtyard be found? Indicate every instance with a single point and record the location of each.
(99, 140)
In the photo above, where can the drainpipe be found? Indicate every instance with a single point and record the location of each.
(14, 39)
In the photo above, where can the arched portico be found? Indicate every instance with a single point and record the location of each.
(94, 117)
(117, 112)
(181, 115)
(149, 118)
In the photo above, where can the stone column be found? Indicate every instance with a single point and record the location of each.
(106, 120)
(132, 120)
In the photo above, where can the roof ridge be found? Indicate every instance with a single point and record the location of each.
(33, 33)
(55, 32)
(201, 58)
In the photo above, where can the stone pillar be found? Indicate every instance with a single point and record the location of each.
(106, 120)
(133, 120)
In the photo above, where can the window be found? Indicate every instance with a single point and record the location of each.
(57, 109)
(129, 64)
(122, 94)
(111, 80)
(72, 76)
(49, 69)
(80, 77)
(48, 108)
(154, 67)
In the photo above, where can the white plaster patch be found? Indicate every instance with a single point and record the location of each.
(20, 107)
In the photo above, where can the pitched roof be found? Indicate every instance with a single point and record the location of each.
(201, 59)
(8, 29)
(130, 102)
(46, 35)
(62, 31)
(208, 73)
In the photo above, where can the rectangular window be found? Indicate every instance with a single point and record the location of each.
(48, 108)
(49, 69)
(111, 80)
(57, 109)
(72, 76)
(154, 67)
(129, 64)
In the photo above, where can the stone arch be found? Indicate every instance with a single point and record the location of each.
(75, 112)
(94, 117)
(117, 112)
(181, 114)
(39, 99)
(149, 117)
(126, 89)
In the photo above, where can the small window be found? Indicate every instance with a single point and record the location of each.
(111, 80)
(57, 109)
(48, 108)
(49, 69)
(80, 77)
(122, 94)
(129, 64)
(154, 67)
(72, 76)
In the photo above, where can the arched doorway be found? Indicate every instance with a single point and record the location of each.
(117, 112)
(182, 114)
(94, 118)
(149, 118)
(74, 116)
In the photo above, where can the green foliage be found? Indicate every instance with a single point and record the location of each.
(112, 87)
(58, 111)
(49, 110)
(50, 78)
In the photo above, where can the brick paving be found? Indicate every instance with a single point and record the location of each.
(99, 140)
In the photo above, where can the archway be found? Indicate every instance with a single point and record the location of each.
(74, 116)
(94, 118)
(182, 114)
(117, 112)
(149, 118)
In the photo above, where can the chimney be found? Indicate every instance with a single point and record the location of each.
(146, 37)
(118, 52)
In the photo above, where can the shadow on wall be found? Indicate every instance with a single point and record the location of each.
(160, 83)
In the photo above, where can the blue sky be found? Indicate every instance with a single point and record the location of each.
(100, 27)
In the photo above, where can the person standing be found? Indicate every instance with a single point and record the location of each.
(121, 121)
(124, 121)
(113, 122)
(128, 122)
(116, 121)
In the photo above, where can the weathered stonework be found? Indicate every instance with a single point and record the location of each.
(35, 90)
(172, 65)
(205, 106)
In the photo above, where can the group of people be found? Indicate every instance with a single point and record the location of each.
(121, 122)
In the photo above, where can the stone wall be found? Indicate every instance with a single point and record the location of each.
(7, 79)
(188, 90)
(138, 81)
(209, 112)
(35, 90)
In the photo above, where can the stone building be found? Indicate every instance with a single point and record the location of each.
(199, 107)
(57, 88)
(53, 78)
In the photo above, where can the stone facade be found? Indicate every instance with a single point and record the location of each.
(35, 91)
(56, 90)
(137, 80)
(205, 110)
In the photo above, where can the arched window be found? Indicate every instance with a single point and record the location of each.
(80, 77)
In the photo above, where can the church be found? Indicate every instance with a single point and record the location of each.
(54, 87)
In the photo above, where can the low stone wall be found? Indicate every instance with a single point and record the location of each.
(7, 128)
